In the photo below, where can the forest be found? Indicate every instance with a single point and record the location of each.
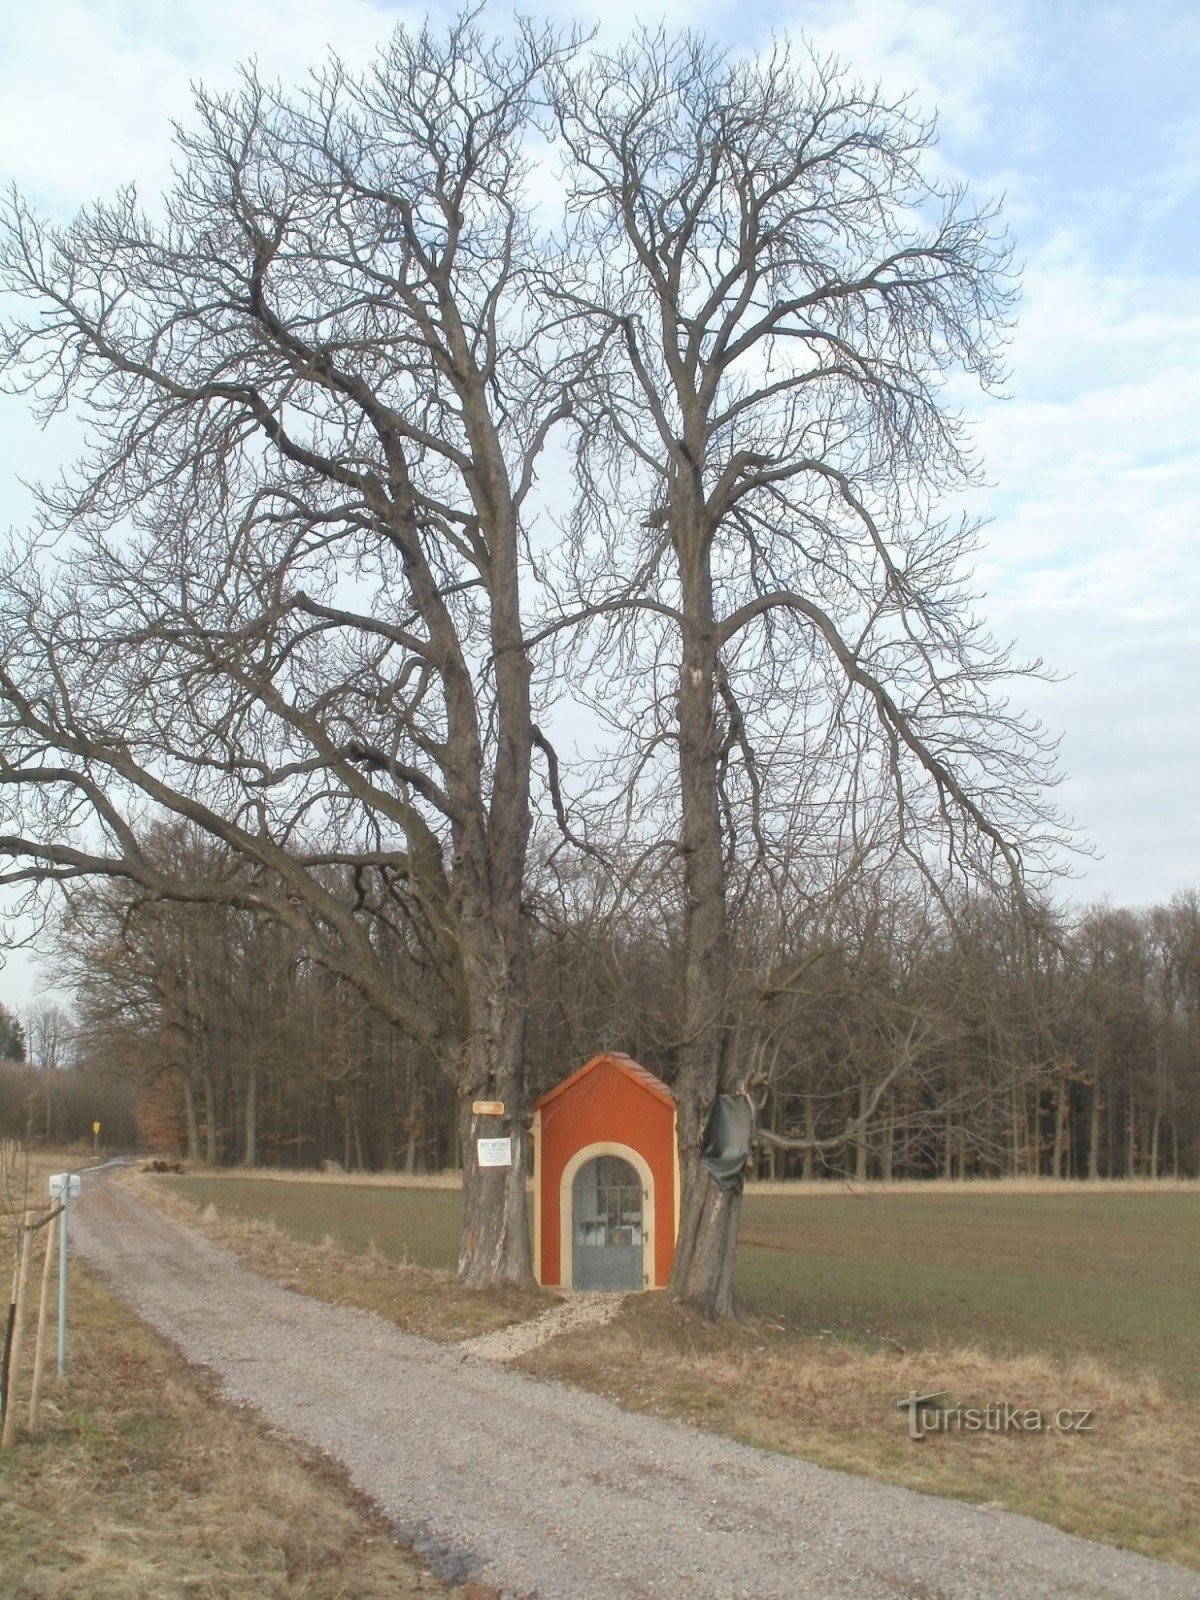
(907, 1038)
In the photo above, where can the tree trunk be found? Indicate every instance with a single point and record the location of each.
(211, 1147)
(810, 1133)
(1060, 1124)
(704, 1252)
(1130, 1139)
(495, 1245)
(1094, 1135)
(410, 1148)
(862, 1146)
(193, 1124)
(250, 1153)
(889, 1144)
(359, 1163)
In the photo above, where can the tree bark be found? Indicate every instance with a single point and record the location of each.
(862, 1146)
(1094, 1135)
(706, 1245)
(193, 1125)
(495, 1246)
(250, 1152)
(211, 1146)
(889, 1144)
(1060, 1124)
(810, 1134)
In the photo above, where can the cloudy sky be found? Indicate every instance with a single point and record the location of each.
(1081, 114)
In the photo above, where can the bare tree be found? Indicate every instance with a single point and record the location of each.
(50, 1036)
(782, 291)
(317, 384)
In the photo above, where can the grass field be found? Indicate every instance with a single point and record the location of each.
(1061, 1272)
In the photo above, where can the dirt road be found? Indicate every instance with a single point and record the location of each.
(543, 1490)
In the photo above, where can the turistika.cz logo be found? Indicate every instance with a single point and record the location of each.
(926, 1416)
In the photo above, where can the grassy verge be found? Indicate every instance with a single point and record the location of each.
(1134, 1481)
(308, 1257)
(141, 1482)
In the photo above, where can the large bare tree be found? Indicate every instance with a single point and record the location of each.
(287, 604)
(782, 291)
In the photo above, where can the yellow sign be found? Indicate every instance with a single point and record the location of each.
(488, 1108)
(95, 1127)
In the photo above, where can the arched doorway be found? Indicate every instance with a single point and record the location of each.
(607, 1225)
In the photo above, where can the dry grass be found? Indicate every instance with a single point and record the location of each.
(789, 1186)
(417, 1299)
(991, 1186)
(372, 1180)
(1133, 1482)
(137, 1485)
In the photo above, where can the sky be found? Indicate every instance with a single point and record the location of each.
(1081, 115)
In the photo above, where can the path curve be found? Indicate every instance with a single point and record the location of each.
(544, 1490)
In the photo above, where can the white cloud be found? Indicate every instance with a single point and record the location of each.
(954, 55)
(88, 88)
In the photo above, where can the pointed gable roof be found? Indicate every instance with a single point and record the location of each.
(622, 1063)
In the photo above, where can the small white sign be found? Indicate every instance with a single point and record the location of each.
(59, 1179)
(495, 1152)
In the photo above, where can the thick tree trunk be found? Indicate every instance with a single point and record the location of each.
(495, 1245)
(704, 1253)
(708, 1228)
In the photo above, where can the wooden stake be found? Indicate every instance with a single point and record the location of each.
(39, 1348)
(10, 1415)
(9, 1319)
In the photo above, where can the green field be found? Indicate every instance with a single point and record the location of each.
(1068, 1273)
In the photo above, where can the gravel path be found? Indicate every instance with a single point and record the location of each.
(578, 1311)
(545, 1491)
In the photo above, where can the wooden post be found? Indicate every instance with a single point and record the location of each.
(9, 1320)
(39, 1348)
(10, 1415)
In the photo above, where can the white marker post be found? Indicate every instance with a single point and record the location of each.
(64, 1186)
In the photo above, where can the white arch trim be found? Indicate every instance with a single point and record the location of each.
(566, 1208)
